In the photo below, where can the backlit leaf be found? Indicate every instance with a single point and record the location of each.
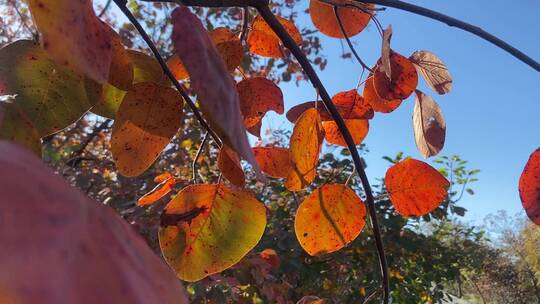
(211, 81)
(385, 52)
(305, 146)
(264, 42)
(216, 227)
(433, 70)
(163, 177)
(229, 164)
(121, 68)
(59, 246)
(159, 191)
(403, 81)
(378, 104)
(49, 95)
(329, 218)
(415, 188)
(323, 17)
(73, 36)
(15, 127)
(529, 187)
(274, 161)
(358, 128)
(147, 119)
(428, 125)
(258, 95)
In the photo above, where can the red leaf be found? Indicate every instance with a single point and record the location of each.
(529, 187)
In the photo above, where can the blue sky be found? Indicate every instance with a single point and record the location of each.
(492, 113)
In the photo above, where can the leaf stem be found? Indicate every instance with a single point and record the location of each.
(351, 47)
(194, 164)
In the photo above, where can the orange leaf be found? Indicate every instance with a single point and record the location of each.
(229, 164)
(354, 20)
(264, 42)
(45, 245)
(305, 146)
(158, 192)
(403, 82)
(349, 104)
(428, 125)
(147, 119)
(258, 95)
(162, 177)
(415, 188)
(121, 69)
(271, 257)
(358, 128)
(378, 104)
(177, 68)
(329, 218)
(529, 185)
(211, 82)
(433, 70)
(73, 36)
(274, 161)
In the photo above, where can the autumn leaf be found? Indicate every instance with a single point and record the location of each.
(216, 227)
(73, 36)
(385, 52)
(274, 161)
(403, 81)
(323, 17)
(328, 219)
(229, 164)
(264, 42)
(163, 188)
(258, 95)
(415, 188)
(529, 185)
(15, 127)
(305, 146)
(211, 81)
(433, 70)
(147, 119)
(271, 257)
(358, 128)
(50, 96)
(163, 177)
(121, 68)
(349, 104)
(428, 125)
(55, 231)
(378, 104)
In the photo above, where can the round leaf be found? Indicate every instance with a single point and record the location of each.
(378, 104)
(354, 20)
(274, 161)
(403, 81)
(358, 128)
(433, 70)
(529, 185)
(264, 42)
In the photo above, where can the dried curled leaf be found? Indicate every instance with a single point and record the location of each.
(274, 161)
(258, 95)
(305, 146)
(50, 96)
(378, 104)
(264, 42)
(73, 36)
(70, 249)
(428, 125)
(163, 188)
(403, 81)
(433, 70)
(358, 128)
(147, 119)
(354, 20)
(529, 185)
(385, 52)
(206, 229)
(415, 188)
(229, 164)
(214, 86)
(329, 218)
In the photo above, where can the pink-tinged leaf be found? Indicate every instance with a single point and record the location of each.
(211, 81)
(428, 125)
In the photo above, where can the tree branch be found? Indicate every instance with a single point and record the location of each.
(287, 40)
(459, 24)
(199, 151)
(75, 158)
(122, 5)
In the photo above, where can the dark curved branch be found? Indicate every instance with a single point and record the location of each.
(122, 5)
(419, 10)
(287, 40)
(245, 24)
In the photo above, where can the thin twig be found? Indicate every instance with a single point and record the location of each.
(105, 8)
(351, 47)
(245, 24)
(287, 40)
(75, 159)
(194, 164)
(122, 5)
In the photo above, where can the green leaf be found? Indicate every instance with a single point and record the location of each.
(206, 229)
(50, 96)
